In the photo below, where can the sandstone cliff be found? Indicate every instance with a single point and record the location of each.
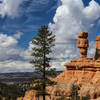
(83, 72)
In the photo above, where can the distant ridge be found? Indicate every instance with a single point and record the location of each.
(11, 78)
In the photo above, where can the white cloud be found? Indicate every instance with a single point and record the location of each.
(71, 18)
(10, 8)
(63, 53)
(7, 41)
(18, 35)
(12, 57)
(93, 7)
(15, 66)
(13, 8)
(92, 50)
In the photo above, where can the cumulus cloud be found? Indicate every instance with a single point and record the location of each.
(92, 50)
(15, 66)
(7, 41)
(71, 18)
(93, 7)
(18, 35)
(12, 57)
(10, 8)
(14, 8)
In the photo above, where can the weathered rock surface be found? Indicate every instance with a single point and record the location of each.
(82, 43)
(83, 72)
(29, 95)
(85, 77)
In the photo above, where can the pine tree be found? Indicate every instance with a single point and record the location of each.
(43, 44)
(74, 92)
(96, 56)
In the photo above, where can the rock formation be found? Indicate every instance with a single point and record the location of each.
(84, 63)
(98, 45)
(82, 43)
(83, 72)
(29, 95)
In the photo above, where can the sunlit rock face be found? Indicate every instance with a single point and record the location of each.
(83, 72)
(82, 43)
(29, 95)
(77, 76)
(84, 63)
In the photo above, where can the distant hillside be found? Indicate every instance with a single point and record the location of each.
(22, 77)
(15, 84)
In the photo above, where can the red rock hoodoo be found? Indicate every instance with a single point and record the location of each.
(83, 71)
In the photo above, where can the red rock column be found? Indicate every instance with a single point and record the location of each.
(98, 46)
(82, 43)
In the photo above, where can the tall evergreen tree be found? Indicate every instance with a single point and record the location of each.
(74, 92)
(43, 44)
(96, 56)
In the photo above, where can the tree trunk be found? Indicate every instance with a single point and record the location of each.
(44, 85)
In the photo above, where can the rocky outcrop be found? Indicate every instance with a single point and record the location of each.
(29, 95)
(84, 63)
(77, 76)
(32, 95)
(82, 43)
(65, 89)
(98, 45)
(83, 72)
(87, 83)
(91, 89)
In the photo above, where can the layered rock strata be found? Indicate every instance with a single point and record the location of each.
(83, 72)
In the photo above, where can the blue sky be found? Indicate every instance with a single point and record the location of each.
(32, 15)
(20, 20)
